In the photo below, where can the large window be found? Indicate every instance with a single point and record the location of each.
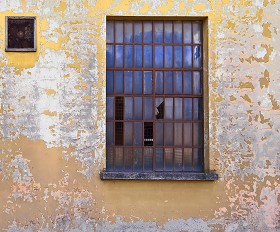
(154, 111)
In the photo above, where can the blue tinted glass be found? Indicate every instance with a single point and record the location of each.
(128, 108)
(137, 82)
(110, 56)
(197, 159)
(158, 56)
(187, 159)
(119, 31)
(109, 82)
(197, 32)
(168, 57)
(188, 134)
(138, 108)
(168, 82)
(178, 32)
(187, 57)
(148, 56)
(178, 134)
(159, 134)
(119, 56)
(168, 32)
(168, 157)
(137, 159)
(159, 82)
(128, 32)
(148, 108)
(148, 82)
(178, 108)
(128, 133)
(187, 108)
(128, 82)
(158, 32)
(128, 56)
(197, 134)
(138, 56)
(197, 57)
(187, 32)
(178, 159)
(197, 108)
(177, 56)
(178, 83)
(110, 133)
(168, 134)
(197, 83)
(159, 159)
(148, 36)
(187, 83)
(110, 32)
(119, 159)
(138, 32)
(138, 134)
(110, 108)
(148, 159)
(119, 82)
(168, 108)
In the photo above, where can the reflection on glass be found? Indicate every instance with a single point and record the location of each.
(178, 82)
(148, 108)
(178, 134)
(168, 134)
(168, 109)
(187, 159)
(109, 158)
(158, 56)
(138, 32)
(159, 82)
(138, 108)
(187, 82)
(138, 134)
(109, 82)
(168, 82)
(197, 57)
(187, 108)
(119, 82)
(159, 134)
(128, 32)
(178, 32)
(197, 134)
(110, 108)
(159, 159)
(168, 154)
(168, 32)
(109, 133)
(188, 134)
(178, 108)
(110, 56)
(187, 32)
(197, 83)
(177, 56)
(110, 32)
(159, 109)
(187, 57)
(148, 36)
(128, 56)
(119, 32)
(137, 159)
(148, 56)
(148, 82)
(168, 57)
(197, 108)
(148, 159)
(197, 32)
(119, 56)
(128, 155)
(119, 158)
(128, 133)
(137, 82)
(128, 82)
(138, 56)
(178, 159)
(128, 107)
(158, 25)
(197, 160)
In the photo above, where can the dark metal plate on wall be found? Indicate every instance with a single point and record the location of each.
(21, 34)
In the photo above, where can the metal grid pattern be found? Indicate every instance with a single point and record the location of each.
(154, 96)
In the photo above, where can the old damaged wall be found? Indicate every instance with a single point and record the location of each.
(52, 117)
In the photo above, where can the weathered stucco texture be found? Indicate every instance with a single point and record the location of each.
(52, 116)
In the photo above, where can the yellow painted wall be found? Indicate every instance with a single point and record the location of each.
(52, 114)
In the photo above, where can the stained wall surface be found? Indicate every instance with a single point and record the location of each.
(52, 114)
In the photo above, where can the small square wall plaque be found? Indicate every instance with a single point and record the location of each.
(20, 34)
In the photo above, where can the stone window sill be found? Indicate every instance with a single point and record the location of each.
(158, 176)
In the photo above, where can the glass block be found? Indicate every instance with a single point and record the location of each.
(197, 32)
(168, 35)
(187, 56)
(187, 159)
(148, 36)
(178, 56)
(159, 159)
(128, 32)
(119, 56)
(168, 109)
(197, 83)
(159, 108)
(159, 82)
(119, 31)
(178, 35)
(197, 108)
(178, 159)
(168, 134)
(188, 134)
(178, 134)
(197, 160)
(168, 82)
(148, 159)
(110, 108)
(138, 32)
(119, 82)
(187, 108)
(137, 167)
(128, 56)
(159, 134)
(158, 25)
(148, 82)
(187, 32)
(110, 32)
(138, 134)
(148, 108)
(109, 159)
(138, 108)
(110, 56)
(158, 56)
(197, 134)
(128, 82)
(197, 57)
(128, 158)
(128, 132)
(178, 108)
(137, 82)
(109, 82)
(119, 159)
(128, 108)
(178, 82)
(109, 133)
(168, 156)
(138, 56)
(168, 57)
(188, 82)
(148, 56)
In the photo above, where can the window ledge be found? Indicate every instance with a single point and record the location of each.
(158, 176)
